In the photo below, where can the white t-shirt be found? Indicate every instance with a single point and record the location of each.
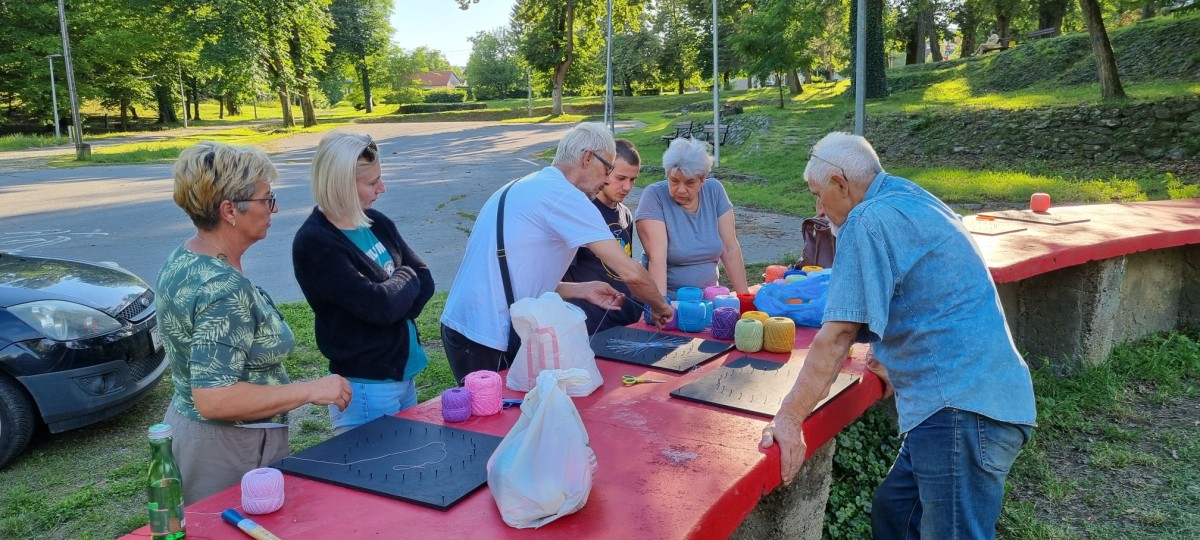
(546, 219)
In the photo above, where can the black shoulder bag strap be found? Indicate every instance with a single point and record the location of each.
(502, 257)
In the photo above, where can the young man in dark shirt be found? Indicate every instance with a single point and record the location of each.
(587, 267)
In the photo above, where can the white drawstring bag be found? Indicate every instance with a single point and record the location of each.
(543, 468)
(553, 336)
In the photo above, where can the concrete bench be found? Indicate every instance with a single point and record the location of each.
(1078, 279)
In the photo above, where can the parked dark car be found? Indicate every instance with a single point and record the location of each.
(79, 343)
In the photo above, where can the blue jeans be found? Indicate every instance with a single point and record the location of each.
(370, 401)
(948, 481)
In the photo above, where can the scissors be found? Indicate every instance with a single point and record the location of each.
(630, 380)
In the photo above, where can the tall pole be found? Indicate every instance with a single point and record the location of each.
(716, 137)
(860, 71)
(529, 88)
(183, 96)
(82, 151)
(54, 97)
(610, 112)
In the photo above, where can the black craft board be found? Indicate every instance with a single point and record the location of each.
(442, 464)
(1043, 218)
(993, 228)
(678, 360)
(754, 385)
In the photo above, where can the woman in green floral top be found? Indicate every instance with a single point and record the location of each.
(225, 339)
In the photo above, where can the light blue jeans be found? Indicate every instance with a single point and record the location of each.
(372, 400)
(948, 481)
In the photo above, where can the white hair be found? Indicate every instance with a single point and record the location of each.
(583, 138)
(335, 174)
(688, 156)
(845, 154)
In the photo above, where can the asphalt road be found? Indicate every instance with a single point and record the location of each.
(438, 175)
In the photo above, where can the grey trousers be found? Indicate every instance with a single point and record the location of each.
(213, 457)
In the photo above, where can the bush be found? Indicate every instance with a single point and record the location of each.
(408, 94)
(865, 452)
(445, 96)
(439, 107)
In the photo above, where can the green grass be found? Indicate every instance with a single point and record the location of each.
(22, 142)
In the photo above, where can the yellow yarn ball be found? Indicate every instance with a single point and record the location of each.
(779, 334)
(760, 316)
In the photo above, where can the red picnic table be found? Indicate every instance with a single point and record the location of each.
(668, 468)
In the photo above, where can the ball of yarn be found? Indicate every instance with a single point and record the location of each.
(760, 316)
(487, 392)
(723, 321)
(774, 272)
(262, 491)
(716, 290)
(727, 300)
(689, 294)
(456, 404)
(793, 272)
(691, 316)
(780, 281)
(794, 278)
(811, 269)
(673, 324)
(747, 301)
(748, 335)
(779, 334)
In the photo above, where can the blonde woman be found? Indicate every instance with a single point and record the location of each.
(365, 285)
(225, 339)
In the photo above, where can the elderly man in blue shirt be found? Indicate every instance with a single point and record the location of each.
(909, 279)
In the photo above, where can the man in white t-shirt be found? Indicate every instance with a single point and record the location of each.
(548, 215)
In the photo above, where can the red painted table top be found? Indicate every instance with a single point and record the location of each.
(668, 468)
(1112, 230)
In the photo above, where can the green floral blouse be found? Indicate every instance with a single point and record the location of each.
(218, 328)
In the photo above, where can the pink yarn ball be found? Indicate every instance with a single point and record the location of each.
(487, 392)
(262, 491)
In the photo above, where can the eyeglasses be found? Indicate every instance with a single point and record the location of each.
(271, 205)
(812, 154)
(608, 167)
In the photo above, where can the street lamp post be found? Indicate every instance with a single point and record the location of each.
(82, 151)
(54, 96)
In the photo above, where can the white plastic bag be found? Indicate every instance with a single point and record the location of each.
(553, 336)
(543, 468)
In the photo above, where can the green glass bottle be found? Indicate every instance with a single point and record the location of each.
(164, 487)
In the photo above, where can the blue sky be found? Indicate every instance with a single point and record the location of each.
(439, 24)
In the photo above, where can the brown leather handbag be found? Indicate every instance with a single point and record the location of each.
(819, 243)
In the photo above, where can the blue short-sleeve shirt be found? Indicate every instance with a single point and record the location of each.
(908, 270)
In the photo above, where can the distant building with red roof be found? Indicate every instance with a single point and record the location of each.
(438, 79)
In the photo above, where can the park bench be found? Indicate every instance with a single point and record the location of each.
(682, 129)
(707, 133)
(1044, 33)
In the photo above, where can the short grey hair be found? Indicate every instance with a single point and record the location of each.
(585, 137)
(844, 154)
(688, 156)
(335, 174)
(210, 173)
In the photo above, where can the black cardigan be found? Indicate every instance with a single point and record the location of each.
(361, 313)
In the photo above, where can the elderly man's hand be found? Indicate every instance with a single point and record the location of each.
(602, 294)
(881, 372)
(788, 432)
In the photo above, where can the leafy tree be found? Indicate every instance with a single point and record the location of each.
(631, 63)
(493, 68)
(360, 30)
(677, 59)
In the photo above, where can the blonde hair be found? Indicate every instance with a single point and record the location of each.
(585, 137)
(210, 173)
(335, 175)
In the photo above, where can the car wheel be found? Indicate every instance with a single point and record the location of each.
(16, 420)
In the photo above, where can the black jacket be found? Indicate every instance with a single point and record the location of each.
(361, 313)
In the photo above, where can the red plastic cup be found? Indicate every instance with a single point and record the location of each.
(1039, 202)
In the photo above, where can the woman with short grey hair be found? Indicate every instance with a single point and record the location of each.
(225, 340)
(687, 224)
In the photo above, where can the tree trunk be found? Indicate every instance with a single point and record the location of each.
(365, 76)
(1106, 62)
(195, 103)
(285, 102)
(779, 85)
(124, 114)
(910, 47)
(166, 107)
(967, 47)
(924, 16)
(793, 83)
(1003, 22)
(560, 71)
(231, 106)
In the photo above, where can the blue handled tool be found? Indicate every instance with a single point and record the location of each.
(235, 518)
